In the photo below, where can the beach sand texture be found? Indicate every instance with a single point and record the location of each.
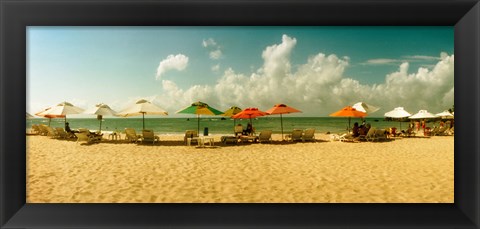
(406, 170)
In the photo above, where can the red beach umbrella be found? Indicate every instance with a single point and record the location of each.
(281, 109)
(45, 114)
(249, 113)
(349, 112)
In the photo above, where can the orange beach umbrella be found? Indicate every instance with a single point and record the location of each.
(349, 112)
(281, 109)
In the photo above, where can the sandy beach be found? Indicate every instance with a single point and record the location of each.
(405, 170)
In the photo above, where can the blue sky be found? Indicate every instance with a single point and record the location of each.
(317, 69)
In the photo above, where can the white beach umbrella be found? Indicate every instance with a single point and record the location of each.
(101, 110)
(422, 114)
(62, 109)
(398, 112)
(29, 116)
(366, 108)
(142, 107)
(445, 115)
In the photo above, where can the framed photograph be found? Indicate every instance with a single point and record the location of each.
(323, 51)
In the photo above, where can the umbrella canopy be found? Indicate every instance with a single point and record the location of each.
(349, 112)
(422, 114)
(101, 110)
(232, 111)
(29, 115)
(445, 115)
(61, 110)
(199, 108)
(398, 112)
(49, 116)
(366, 108)
(281, 109)
(249, 113)
(142, 107)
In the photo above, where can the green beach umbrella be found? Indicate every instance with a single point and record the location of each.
(199, 108)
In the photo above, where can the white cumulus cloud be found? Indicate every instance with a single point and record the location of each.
(319, 86)
(173, 62)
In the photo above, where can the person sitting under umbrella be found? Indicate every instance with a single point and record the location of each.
(249, 130)
(70, 132)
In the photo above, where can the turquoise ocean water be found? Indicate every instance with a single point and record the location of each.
(216, 125)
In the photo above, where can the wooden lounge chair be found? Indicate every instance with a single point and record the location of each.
(61, 133)
(296, 135)
(36, 129)
(52, 133)
(86, 137)
(190, 136)
(43, 129)
(93, 137)
(149, 136)
(131, 135)
(265, 136)
(309, 135)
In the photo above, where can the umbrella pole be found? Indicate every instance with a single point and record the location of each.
(198, 124)
(281, 124)
(100, 130)
(49, 120)
(143, 119)
(349, 124)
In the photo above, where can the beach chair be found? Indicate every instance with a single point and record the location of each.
(370, 136)
(61, 132)
(94, 137)
(309, 135)
(149, 136)
(296, 135)
(86, 136)
(380, 135)
(131, 135)
(52, 133)
(190, 136)
(348, 138)
(43, 129)
(36, 129)
(265, 136)
(238, 130)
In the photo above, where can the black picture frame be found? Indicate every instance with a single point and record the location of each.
(15, 15)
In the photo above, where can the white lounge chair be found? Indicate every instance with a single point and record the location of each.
(296, 135)
(309, 135)
(131, 135)
(149, 136)
(190, 136)
(265, 136)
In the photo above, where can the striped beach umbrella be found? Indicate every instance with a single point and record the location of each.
(199, 108)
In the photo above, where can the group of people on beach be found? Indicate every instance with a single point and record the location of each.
(360, 130)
